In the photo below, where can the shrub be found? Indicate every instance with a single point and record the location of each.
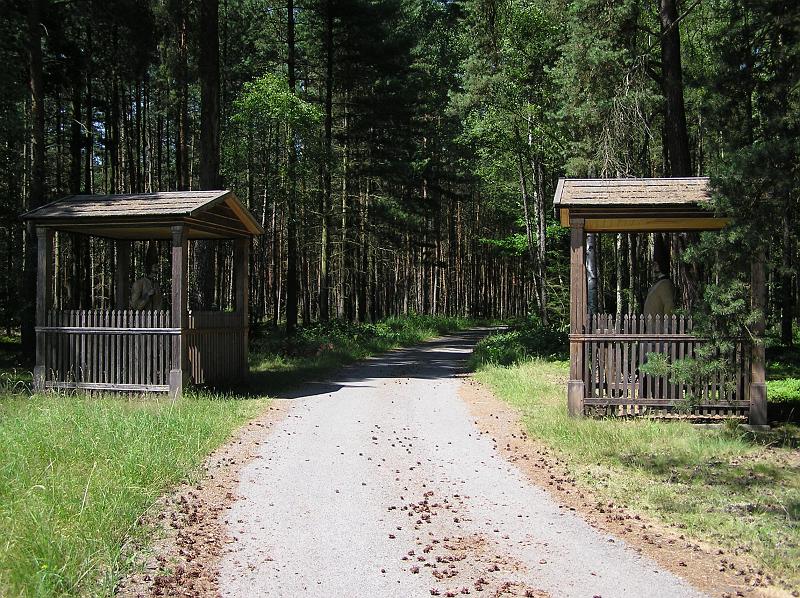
(784, 391)
(527, 340)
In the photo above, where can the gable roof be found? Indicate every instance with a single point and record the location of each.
(208, 215)
(637, 205)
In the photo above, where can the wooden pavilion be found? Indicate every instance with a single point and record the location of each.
(607, 350)
(153, 350)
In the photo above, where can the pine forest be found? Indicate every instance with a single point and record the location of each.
(402, 155)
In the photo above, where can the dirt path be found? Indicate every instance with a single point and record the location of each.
(379, 484)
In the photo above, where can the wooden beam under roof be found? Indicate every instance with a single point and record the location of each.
(637, 205)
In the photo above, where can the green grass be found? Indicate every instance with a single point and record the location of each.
(523, 340)
(77, 473)
(786, 390)
(783, 374)
(719, 485)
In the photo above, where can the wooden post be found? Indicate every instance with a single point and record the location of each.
(758, 384)
(576, 386)
(44, 300)
(179, 374)
(241, 261)
(122, 289)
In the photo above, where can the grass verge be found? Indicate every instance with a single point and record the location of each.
(77, 472)
(720, 485)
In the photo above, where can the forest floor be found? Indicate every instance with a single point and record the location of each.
(400, 476)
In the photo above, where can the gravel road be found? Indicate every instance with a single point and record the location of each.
(378, 484)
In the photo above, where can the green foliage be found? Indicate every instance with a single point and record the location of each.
(354, 339)
(783, 362)
(268, 100)
(786, 390)
(514, 244)
(608, 97)
(754, 170)
(524, 341)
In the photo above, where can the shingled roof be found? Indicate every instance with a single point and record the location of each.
(637, 205)
(207, 214)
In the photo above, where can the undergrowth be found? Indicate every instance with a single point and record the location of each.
(523, 340)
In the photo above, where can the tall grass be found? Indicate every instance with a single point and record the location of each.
(718, 484)
(77, 473)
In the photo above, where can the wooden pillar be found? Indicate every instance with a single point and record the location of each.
(122, 281)
(576, 387)
(44, 301)
(179, 374)
(758, 384)
(241, 261)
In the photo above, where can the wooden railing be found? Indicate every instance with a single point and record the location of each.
(122, 350)
(616, 346)
(217, 346)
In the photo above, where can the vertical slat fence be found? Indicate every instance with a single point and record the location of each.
(616, 346)
(217, 346)
(113, 350)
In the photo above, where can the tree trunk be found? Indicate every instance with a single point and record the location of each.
(209, 139)
(114, 124)
(676, 133)
(88, 184)
(363, 252)
(787, 294)
(541, 225)
(345, 255)
(324, 258)
(76, 136)
(672, 84)
(523, 186)
(592, 277)
(182, 82)
(36, 187)
(291, 224)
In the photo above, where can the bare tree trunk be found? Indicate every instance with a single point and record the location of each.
(541, 225)
(76, 135)
(327, 191)
(209, 139)
(276, 266)
(89, 155)
(787, 294)
(36, 188)
(676, 133)
(291, 224)
(672, 84)
(592, 278)
(345, 256)
(114, 125)
(182, 81)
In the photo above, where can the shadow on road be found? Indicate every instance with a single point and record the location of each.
(439, 359)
